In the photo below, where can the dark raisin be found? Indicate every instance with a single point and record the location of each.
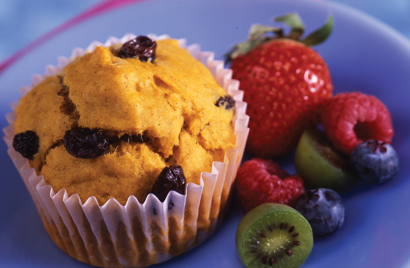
(85, 143)
(228, 102)
(171, 178)
(26, 143)
(141, 47)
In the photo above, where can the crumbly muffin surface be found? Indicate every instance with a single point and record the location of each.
(171, 103)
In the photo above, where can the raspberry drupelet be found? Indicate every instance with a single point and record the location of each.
(262, 181)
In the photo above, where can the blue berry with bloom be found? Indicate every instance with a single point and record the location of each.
(374, 161)
(324, 210)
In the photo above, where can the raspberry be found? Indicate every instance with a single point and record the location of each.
(351, 118)
(263, 181)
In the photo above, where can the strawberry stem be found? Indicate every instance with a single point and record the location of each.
(258, 30)
(295, 23)
(259, 35)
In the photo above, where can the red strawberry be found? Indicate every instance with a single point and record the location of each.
(285, 81)
(352, 118)
(262, 181)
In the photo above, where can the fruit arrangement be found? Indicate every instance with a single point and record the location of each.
(338, 140)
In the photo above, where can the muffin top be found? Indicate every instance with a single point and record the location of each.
(150, 115)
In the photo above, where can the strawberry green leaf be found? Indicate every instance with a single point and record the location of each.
(321, 34)
(243, 48)
(257, 36)
(239, 49)
(260, 34)
(258, 30)
(294, 21)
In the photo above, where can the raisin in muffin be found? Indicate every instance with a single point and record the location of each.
(108, 135)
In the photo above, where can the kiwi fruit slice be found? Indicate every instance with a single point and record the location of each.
(273, 235)
(320, 165)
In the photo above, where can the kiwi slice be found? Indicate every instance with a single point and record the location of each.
(320, 165)
(273, 235)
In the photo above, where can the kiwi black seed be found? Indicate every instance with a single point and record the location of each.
(320, 165)
(273, 235)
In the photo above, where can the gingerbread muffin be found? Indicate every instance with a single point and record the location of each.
(132, 147)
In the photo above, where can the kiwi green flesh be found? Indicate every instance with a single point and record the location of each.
(273, 235)
(320, 165)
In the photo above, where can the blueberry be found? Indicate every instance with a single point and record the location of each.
(323, 209)
(375, 161)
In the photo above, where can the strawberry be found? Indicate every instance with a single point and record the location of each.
(285, 82)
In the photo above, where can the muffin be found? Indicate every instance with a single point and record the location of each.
(130, 148)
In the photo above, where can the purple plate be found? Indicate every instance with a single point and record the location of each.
(362, 54)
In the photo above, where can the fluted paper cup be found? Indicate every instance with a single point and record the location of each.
(135, 234)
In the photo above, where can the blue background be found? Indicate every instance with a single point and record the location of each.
(362, 54)
(22, 21)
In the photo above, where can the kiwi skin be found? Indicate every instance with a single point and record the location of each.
(320, 165)
(267, 215)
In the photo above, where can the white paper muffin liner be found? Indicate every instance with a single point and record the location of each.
(136, 235)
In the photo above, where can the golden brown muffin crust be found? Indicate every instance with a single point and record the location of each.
(171, 102)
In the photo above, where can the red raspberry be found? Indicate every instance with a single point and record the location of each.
(262, 181)
(351, 118)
